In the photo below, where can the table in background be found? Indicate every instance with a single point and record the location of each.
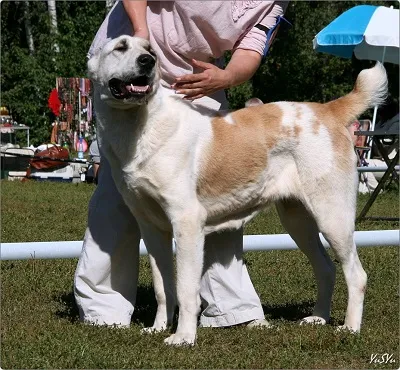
(11, 130)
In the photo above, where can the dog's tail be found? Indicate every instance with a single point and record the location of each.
(370, 90)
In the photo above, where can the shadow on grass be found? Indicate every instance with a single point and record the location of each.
(288, 311)
(69, 309)
(146, 308)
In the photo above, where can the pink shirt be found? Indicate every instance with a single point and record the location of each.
(203, 30)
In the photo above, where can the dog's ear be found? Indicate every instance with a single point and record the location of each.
(253, 102)
(92, 66)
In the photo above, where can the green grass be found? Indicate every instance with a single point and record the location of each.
(39, 318)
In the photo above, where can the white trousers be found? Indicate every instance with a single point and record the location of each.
(369, 180)
(107, 272)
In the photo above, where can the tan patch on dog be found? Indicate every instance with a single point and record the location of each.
(347, 108)
(341, 141)
(239, 149)
(316, 126)
(238, 152)
(297, 131)
(298, 114)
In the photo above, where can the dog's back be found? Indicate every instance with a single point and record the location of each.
(279, 150)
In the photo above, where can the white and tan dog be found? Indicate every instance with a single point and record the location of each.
(188, 171)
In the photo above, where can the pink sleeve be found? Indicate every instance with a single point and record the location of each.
(254, 40)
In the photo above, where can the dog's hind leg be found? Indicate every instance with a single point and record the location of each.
(159, 246)
(341, 240)
(335, 214)
(302, 228)
(188, 226)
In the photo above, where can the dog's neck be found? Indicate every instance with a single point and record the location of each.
(139, 130)
(157, 101)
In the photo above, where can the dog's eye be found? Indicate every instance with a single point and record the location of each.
(151, 51)
(121, 46)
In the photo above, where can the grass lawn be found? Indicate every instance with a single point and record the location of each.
(39, 318)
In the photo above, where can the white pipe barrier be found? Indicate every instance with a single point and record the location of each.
(72, 249)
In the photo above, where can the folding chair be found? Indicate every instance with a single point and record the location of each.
(391, 168)
(362, 148)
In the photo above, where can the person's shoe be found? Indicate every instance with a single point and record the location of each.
(259, 324)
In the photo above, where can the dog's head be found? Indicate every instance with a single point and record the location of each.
(126, 71)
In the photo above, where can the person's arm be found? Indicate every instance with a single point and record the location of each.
(136, 11)
(241, 67)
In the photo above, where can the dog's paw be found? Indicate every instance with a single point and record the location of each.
(314, 320)
(153, 329)
(181, 340)
(346, 328)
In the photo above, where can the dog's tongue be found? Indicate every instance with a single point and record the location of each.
(137, 89)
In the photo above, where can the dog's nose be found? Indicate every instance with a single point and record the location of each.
(146, 60)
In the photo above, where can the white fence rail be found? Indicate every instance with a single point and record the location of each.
(72, 249)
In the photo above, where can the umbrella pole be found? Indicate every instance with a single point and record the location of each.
(375, 112)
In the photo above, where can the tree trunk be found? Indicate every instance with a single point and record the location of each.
(51, 4)
(28, 28)
(109, 4)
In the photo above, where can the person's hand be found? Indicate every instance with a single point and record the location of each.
(197, 85)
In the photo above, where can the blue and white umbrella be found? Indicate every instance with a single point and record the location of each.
(370, 32)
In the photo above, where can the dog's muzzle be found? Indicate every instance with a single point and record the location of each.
(134, 87)
(137, 85)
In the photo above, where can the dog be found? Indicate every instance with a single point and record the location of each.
(187, 171)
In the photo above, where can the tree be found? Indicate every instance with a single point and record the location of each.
(51, 5)
(109, 4)
(27, 78)
(28, 28)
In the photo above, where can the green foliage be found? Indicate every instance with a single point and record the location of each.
(292, 70)
(27, 80)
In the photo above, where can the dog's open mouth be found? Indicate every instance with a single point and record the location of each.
(135, 87)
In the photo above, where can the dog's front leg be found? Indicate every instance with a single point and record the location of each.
(189, 236)
(159, 246)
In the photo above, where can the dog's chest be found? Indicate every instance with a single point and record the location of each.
(143, 194)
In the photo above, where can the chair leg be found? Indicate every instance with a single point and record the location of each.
(384, 155)
(384, 178)
(361, 162)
